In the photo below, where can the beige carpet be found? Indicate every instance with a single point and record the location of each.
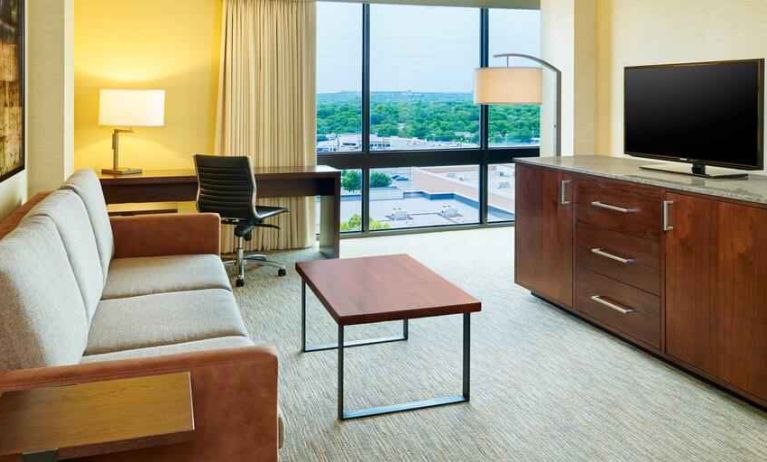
(545, 385)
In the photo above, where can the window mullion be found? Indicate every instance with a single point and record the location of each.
(365, 154)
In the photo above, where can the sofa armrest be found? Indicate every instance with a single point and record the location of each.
(234, 394)
(166, 234)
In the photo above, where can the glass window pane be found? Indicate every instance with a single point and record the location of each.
(514, 31)
(500, 192)
(424, 196)
(351, 202)
(339, 77)
(422, 61)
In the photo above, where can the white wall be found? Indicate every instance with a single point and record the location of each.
(568, 41)
(50, 93)
(635, 32)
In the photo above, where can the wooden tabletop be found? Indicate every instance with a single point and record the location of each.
(383, 288)
(97, 418)
(186, 175)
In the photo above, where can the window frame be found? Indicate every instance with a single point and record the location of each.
(367, 160)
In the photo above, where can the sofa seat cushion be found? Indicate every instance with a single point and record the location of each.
(131, 277)
(163, 319)
(172, 349)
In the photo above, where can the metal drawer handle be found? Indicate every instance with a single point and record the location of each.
(613, 306)
(667, 225)
(602, 253)
(614, 208)
(563, 200)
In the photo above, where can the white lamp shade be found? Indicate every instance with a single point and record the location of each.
(508, 85)
(132, 108)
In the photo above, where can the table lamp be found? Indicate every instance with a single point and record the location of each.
(517, 85)
(125, 109)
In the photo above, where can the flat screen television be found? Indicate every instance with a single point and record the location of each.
(699, 113)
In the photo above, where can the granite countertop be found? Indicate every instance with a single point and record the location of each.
(751, 189)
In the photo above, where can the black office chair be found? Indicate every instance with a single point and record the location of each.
(227, 187)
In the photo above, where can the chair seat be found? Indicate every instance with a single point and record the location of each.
(132, 277)
(177, 317)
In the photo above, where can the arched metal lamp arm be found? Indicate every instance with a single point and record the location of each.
(558, 73)
(540, 61)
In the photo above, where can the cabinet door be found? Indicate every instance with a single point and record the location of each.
(544, 233)
(716, 290)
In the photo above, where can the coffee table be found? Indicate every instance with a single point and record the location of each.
(378, 289)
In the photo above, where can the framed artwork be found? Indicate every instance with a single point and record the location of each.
(11, 87)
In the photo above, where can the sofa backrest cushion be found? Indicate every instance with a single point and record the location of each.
(10, 222)
(68, 213)
(87, 185)
(42, 312)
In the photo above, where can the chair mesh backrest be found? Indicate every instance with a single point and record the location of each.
(226, 186)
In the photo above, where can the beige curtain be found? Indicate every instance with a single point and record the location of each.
(266, 103)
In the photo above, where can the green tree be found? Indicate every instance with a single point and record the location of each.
(379, 180)
(351, 180)
(354, 223)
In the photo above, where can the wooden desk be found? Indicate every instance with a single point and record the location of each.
(181, 185)
(96, 418)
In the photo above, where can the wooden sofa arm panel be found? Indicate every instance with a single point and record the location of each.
(234, 397)
(166, 234)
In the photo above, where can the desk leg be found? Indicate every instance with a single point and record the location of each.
(330, 225)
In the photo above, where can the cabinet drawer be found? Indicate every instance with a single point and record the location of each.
(620, 307)
(629, 259)
(619, 206)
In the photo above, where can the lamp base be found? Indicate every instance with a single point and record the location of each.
(121, 171)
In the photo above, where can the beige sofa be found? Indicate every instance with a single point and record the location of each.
(86, 298)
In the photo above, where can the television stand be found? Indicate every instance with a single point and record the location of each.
(696, 169)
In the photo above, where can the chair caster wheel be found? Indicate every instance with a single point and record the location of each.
(282, 272)
(239, 282)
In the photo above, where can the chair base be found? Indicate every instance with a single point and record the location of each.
(241, 257)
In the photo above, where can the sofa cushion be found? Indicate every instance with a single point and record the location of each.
(175, 348)
(164, 319)
(86, 184)
(42, 316)
(131, 277)
(68, 213)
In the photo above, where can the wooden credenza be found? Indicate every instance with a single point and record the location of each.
(664, 261)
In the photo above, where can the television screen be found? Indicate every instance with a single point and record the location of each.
(704, 112)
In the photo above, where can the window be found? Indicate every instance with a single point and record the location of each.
(415, 197)
(339, 86)
(421, 75)
(514, 31)
(500, 194)
(395, 112)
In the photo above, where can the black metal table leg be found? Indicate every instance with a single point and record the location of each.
(303, 315)
(422, 404)
(340, 372)
(466, 354)
(350, 344)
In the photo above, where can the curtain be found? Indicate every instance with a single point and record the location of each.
(266, 104)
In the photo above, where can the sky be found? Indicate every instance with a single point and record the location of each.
(415, 48)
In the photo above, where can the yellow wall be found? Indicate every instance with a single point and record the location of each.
(165, 44)
(632, 32)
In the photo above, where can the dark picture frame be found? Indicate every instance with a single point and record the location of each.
(12, 91)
